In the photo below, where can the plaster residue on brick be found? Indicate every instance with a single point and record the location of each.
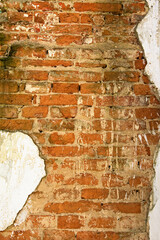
(21, 170)
(149, 34)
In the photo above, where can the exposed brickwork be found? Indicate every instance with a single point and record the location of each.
(72, 77)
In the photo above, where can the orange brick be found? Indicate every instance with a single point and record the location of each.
(123, 207)
(16, 99)
(70, 222)
(62, 139)
(50, 234)
(15, 124)
(98, 7)
(69, 17)
(102, 222)
(35, 112)
(8, 87)
(72, 207)
(58, 99)
(8, 112)
(65, 88)
(94, 193)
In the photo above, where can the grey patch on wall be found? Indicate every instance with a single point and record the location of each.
(21, 170)
(149, 35)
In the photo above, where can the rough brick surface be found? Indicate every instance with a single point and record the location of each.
(72, 77)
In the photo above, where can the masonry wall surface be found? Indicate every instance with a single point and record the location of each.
(72, 78)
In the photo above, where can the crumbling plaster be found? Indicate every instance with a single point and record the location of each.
(21, 170)
(149, 35)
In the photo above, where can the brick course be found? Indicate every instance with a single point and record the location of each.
(72, 77)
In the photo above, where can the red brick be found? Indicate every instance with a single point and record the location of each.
(90, 65)
(63, 151)
(138, 181)
(148, 139)
(8, 112)
(56, 125)
(92, 138)
(69, 17)
(29, 52)
(72, 76)
(65, 40)
(15, 124)
(98, 7)
(140, 64)
(147, 113)
(65, 87)
(72, 207)
(16, 99)
(95, 88)
(51, 234)
(62, 139)
(41, 221)
(86, 18)
(36, 5)
(35, 112)
(15, 17)
(94, 193)
(134, 7)
(37, 87)
(65, 112)
(46, 63)
(123, 207)
(90, 235)
(112, 180)
(58, 99)
(70, 222)
(119, 113)
(39, 138)
(154, 100)
(143, 151)
(154, 125)
(70, 29)
(64, 6)
(102, 125)
(104, 101)
(141, 89)
(8, 87)
(122, 76)
(36, 75)
(83, 179)
(102, 222)
(63, 194)
(20, 235)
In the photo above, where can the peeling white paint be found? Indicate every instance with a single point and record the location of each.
(149, 34)
(21, 170)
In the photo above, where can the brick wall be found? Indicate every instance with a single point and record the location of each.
(72, 77)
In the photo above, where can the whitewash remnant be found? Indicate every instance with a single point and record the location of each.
(149, 35)
(21, 170)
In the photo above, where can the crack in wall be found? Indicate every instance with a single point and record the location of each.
(149, 35)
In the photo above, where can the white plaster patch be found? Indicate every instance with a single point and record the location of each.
(149, 34)
(21, 170)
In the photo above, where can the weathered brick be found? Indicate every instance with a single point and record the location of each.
(59, 99)
(72, 207)
(35, 112)
(94, 193)
(70, 222)
(62, 139)
(98, 7)
(15, 124)
(102, 222)
(50, 234)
